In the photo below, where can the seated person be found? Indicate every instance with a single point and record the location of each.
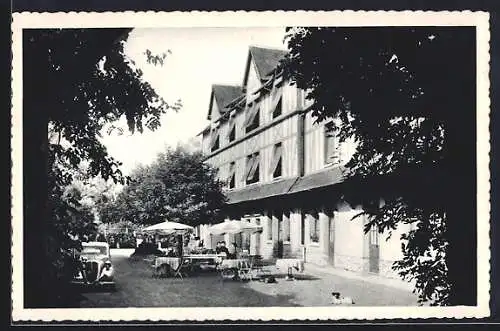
(222, 249)
(171, 252)
(232, 251)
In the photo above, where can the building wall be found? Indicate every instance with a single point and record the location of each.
(350, 243)
(253, 82)
(350, 252)
(215, 113)
(284, 131)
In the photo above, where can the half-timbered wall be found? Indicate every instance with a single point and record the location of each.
(340, 241)
(284, 130)
(253, 82)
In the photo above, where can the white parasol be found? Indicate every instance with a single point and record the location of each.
(234, 227)
(168, 228)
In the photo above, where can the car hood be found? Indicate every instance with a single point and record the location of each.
(94, 257)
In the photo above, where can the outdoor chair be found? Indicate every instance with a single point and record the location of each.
(183, 269)
(258, 269)
(245, 271)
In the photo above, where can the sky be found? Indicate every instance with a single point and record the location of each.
(199, 58)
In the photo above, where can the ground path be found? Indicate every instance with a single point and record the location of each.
(136, 288)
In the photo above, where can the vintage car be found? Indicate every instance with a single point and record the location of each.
(95, 267)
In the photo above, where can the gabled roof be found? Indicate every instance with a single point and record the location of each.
(265, 59)
(223, 94)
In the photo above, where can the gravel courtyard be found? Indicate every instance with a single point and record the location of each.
(136, 288)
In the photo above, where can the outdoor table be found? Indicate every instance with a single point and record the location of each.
(203, 258)
(173, 262)
(235, 264)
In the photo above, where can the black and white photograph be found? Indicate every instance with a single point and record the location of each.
(250, 166)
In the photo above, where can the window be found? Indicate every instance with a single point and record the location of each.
(269, 229)
(215, 145)
(313, 228)
(231, 178)
(214, 140)
(276, 162)
(252, 168)
(286, 226)
(232, 131)
(252, 120)
(278, 110)
(246, 239)
(276, 98)
(302, 229)
(330, 147)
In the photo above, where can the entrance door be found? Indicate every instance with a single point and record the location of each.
(374, 250)
(331, 241)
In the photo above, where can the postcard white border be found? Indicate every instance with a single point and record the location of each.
(255, 19)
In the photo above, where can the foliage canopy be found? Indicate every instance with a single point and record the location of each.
(177, 187)
(398, 92)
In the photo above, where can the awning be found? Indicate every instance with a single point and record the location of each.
(287, 186)
(320, 179)
(257, 192)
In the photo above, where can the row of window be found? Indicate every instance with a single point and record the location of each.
(284, 229)
(252, 119)
(252, 162)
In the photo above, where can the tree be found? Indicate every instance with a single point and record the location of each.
(88, 85)
(178, 187)
(405, 95)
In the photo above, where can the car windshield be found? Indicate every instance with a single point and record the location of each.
(96, 250)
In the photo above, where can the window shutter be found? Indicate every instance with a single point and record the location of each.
(248, 166)
(330, 145)
(276, 92)
(230, 176)
(230, 128)
(276, 95)
(255, 166)
(251, 113)
(213, 138)
(276, 157)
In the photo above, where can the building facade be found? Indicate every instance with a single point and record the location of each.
(283, 171)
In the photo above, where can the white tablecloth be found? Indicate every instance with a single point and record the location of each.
(204, 257)
(295, 264)
(235, 263)
(173, 262)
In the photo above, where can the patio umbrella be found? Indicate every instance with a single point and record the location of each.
(234, 227)
(168, 228)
